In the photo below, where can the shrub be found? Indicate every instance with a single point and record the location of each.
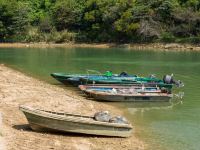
(167, 37)
(61, 37)
(33, 35)
(191, 40)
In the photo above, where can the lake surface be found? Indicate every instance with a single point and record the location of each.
(164, 126)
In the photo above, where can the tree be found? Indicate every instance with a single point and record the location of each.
(20, 18)
(67, 14)
(7, 18)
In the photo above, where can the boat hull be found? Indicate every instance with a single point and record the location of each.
(40, 122)
(130, 98)
(140, 89)
(168, 86)
(78, 79)
(124, 83)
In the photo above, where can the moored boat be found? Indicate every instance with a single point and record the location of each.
(134, 85)
(81, 81)
(118, 95)
(64, 78)
(127, 80)
(117, 80)
(108, 88)
(123, 78)
(74, 79)
(42, 120)
(167, 81)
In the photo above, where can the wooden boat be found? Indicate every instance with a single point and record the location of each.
(108, 88)
(152, 85)
(46, 120)
(161, 86)
(127, 95)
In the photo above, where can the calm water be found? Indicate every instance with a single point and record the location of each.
(162, 125)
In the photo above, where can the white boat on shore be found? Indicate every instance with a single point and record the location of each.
(42, 120)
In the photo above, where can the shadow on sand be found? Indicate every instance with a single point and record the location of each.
(27, 128)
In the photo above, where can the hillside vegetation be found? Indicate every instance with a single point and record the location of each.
(120, 21)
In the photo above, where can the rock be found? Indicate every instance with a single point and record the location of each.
(103, 116)
(119, 119)
(123, 45)
(173, 45)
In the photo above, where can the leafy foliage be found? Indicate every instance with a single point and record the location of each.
(100, 20)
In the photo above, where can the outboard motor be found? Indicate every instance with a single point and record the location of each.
(168, 79)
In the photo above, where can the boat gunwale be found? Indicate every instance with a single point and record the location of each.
(129, 95)
(114, 86)
(87, 89)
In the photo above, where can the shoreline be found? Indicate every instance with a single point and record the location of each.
(17, 89)
(150, 46)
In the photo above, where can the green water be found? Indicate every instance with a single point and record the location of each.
(160, 125)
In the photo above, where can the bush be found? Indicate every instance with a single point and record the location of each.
(191, 40)
(61, 37)
(81, 37)
(45, 25)
(33, 35)
(167, 37)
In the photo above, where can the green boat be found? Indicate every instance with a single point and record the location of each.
(109, 78)
(64, 78)
(74, 79)
(167, 81)
(119, 80)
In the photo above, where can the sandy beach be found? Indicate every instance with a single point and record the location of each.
(17, 88)
(148, 46)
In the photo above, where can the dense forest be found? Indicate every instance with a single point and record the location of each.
(120, 21)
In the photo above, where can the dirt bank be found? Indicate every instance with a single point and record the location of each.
(151, 46)
(17, 88)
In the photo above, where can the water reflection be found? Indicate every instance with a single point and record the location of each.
(147, 106)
